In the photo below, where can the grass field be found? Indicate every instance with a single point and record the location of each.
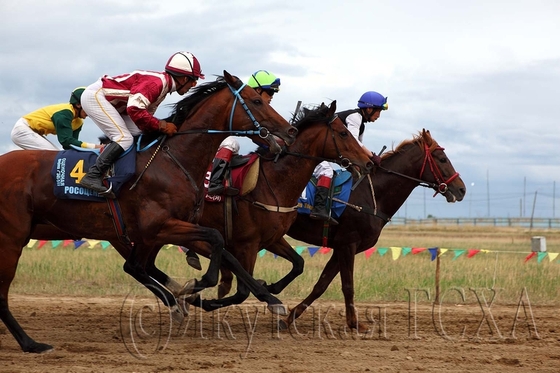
(94, 271)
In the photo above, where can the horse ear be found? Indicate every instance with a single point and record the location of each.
(332, 109)
(228, 77)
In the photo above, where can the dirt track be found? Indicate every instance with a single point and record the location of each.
(86, 334)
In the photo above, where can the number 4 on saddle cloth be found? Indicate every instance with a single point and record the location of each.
(340, 188)
(71, 165)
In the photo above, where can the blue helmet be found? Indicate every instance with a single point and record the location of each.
(374, 100)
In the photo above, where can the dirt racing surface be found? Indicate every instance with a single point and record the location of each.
(134, 334)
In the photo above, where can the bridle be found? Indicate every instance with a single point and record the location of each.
(340, 160)
(441, 185)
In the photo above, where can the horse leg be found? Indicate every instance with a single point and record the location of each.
(329, 272)
(8, 267)
(346, 256)
(283, 249)
(224, 287)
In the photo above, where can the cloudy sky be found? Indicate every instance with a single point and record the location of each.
(482, 76)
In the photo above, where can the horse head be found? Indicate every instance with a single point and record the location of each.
(430, 167)
(265, 119)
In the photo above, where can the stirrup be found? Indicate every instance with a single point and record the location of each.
(108, 193)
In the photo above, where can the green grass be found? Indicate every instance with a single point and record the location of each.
(94, 272)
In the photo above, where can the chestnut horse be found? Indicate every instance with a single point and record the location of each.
(163, 207)
(420, 161)
(263, 216)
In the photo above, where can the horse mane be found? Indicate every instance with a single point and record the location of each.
(301, 119)
(422, 138)
(182, 109)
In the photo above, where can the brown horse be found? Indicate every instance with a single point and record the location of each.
(263, 216)
(420, 161)
(162, 208)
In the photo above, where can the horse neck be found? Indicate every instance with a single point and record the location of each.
(287, 177)
(392, 191)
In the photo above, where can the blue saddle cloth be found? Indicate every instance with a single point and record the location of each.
(71, 165)
(342, 184)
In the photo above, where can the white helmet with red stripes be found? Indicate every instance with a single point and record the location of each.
(184, 64)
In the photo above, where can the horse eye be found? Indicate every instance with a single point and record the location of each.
(344, 134)
(443, 160)
(257, 101)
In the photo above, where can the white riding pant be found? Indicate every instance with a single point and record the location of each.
(230, 143)
(24, 137)
(323, 169)
(118, 127)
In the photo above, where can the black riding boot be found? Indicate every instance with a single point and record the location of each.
(216, 185)
(320, 207)
(94, 177)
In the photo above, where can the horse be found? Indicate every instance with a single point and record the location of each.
(420, 161)
(262, 216)
(161, 207)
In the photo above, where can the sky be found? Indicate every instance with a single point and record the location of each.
(482, 76)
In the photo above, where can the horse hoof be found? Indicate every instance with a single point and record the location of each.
(278, 309)
(188, 288)
(177, 314)
(39, 348)
(283, 325)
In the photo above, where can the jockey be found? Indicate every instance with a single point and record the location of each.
(123, 106)
(63, 120)
(369, 109)
(266, 85)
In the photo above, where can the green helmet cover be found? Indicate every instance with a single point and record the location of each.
(76, 95)
(265, 80)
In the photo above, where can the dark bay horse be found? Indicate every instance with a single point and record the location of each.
(420, 161)
(264, 215)
(163, 208)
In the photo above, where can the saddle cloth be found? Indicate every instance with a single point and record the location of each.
(342, 184)
(243, 175)
(71, 165)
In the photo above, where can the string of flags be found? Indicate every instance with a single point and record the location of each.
(396, 252)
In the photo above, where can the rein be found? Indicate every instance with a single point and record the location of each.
(343, 162)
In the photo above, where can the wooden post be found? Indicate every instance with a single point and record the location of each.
(436, 297)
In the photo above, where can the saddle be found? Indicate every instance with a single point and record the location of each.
(243, 174)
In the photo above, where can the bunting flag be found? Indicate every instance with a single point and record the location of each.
(433, 252)
(417, 250)
(472, 252)
(528, 257)
(369, 251)
(312, 250)
(458, 253)
(396, 252)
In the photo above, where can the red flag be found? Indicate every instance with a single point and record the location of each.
(530, 256)
(369, 251)
(41, 244)
(416, 250)
(325, 250)
(472, 252)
